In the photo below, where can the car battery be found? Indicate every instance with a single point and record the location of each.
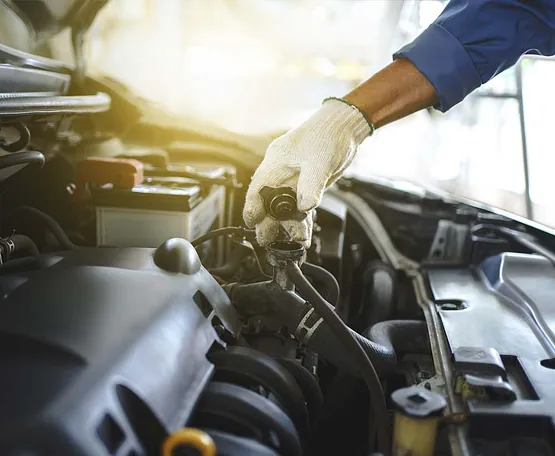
(158, 209)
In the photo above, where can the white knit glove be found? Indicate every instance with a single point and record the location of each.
(307, 159)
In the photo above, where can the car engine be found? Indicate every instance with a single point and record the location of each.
(139, 317)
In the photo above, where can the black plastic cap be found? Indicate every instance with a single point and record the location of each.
(177, 255)
(418, 402)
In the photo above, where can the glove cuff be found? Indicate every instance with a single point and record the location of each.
(348, 118)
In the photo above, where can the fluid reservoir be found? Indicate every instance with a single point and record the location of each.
(417, 415)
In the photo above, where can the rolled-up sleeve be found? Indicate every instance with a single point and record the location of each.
(473, 40)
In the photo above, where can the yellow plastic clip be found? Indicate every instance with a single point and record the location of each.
(190, 437)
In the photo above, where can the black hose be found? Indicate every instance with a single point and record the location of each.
(326, 342)
(54, 227)
(24, 243)
(30, 157)
(309, 386)
(357, 352)
(233, 264)
(379, 294)
(387, 339)
(400, 336)
(219, 232)
(382, 346)
(327, 278)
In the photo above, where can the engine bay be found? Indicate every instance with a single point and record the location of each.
(139, 317)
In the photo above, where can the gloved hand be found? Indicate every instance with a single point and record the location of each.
(307, 159)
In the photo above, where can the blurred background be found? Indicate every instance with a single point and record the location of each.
(260, 67)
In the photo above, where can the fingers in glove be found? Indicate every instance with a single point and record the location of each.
(267, 231)
(311, 186)
(278, 176)
(299, 231)
(253, 211)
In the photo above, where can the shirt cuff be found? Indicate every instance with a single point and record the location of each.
(442, 59)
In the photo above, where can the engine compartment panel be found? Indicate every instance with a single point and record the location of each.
(87, 343)
(503, 305)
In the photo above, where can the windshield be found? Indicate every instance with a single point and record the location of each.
(260, 67)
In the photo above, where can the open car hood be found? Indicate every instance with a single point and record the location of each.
(26, 24)
(46, 18)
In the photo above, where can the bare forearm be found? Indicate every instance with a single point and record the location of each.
(393, 93)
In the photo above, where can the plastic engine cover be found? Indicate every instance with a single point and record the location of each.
(499, 319)
(101, 352)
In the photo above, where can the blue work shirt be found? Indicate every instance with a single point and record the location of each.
(473, 40)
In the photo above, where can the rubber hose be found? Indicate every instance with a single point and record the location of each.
(379, 293)
(326, 343)
(31, 157)
(216, 233)
(54, 227)
(309, 386)
(229, 268)
(353, 345)
(327, 278)
(24, 243)
(290, 309)
(400, 336)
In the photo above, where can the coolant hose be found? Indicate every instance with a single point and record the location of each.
(379, 294)
(54, 227)
(382, 344)
(229, 268)
(24, 243)
(327, 278)
(400, 336)
(348, 343)
(385, 341)
(325, 342)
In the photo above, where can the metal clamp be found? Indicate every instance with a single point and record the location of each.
(310, 330)
(7, 247)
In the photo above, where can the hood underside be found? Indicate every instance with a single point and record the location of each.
(28, 23)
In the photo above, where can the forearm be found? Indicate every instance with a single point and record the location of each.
(393, 93)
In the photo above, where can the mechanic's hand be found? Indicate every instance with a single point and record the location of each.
(307, 159)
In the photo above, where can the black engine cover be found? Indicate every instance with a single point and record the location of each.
(101, 352)
(505, 307)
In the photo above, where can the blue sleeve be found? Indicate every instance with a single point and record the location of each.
(473, 40)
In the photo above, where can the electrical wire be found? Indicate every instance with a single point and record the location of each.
(325, 310)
